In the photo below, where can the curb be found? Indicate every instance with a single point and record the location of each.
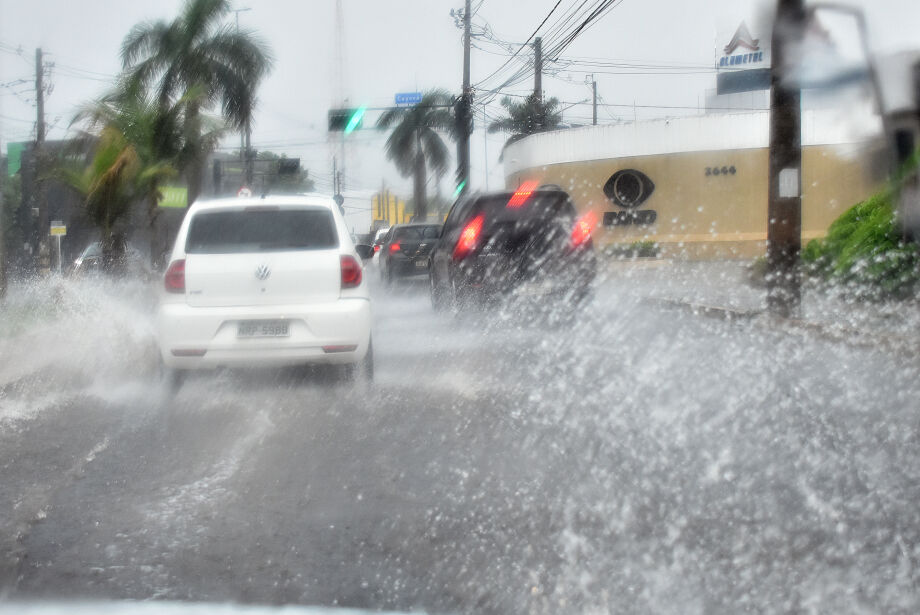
(860, 338)
(702, 309)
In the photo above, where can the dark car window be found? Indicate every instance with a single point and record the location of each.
(416, 232)
(457, 213)
(261, 230)
(540, 206)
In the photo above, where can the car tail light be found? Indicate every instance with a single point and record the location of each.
(522, 194)
(351, 272)
(376, 248)
(581, 233)
(469, 236)
(174, 280)
(394, 247)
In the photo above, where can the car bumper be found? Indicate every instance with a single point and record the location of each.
(489, 278)
(409, 267)
(207, 337)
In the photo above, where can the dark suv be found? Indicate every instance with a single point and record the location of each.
(528, 244)
(405, 249)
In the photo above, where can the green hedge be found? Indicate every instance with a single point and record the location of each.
(864, 249)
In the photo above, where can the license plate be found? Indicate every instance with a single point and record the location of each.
(421, 264)
(263, 328)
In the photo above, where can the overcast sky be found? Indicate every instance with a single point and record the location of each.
(402, 46)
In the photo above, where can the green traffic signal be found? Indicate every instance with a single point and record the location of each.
(459, 189)
(346, 120)
(355, 120)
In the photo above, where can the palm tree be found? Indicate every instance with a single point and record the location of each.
(415, 145)
(108, 184)
(151, 136)
(202, 60)
(530, 116)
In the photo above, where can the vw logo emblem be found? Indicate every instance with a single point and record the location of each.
(263, 272)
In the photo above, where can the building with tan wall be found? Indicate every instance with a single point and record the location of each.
(697, 186)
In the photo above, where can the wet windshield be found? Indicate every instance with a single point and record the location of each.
(468, 306)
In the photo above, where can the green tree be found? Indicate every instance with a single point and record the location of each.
(11, 188)
(527, 117)
(201, 60)
(154, 137)
(108, 184)
(415, 144)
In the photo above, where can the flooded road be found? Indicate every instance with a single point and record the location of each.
(640, 459)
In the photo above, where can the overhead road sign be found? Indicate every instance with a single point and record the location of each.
(408, 98)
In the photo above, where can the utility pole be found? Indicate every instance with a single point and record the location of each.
(538, 68)
(245, 158)
(485, 143)
(538, 83)
(3, 222)
(464, 110)
(249, 156)
(784, 210)
(44, 250)
(594, 88)
(335, 177)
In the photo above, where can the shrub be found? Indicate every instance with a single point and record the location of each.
(864, 248)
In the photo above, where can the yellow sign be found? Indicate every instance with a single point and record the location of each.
(389, 208)
(58, 231)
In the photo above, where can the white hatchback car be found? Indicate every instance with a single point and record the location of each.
(264, 282)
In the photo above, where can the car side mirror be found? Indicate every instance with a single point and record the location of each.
(365, 251)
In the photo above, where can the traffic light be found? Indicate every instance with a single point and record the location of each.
(459, 189)
(346, 120)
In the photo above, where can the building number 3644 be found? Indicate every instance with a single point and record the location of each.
(721, 170)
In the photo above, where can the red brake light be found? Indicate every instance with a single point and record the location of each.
(376, 247)
(174, 280)
(351, 272)
(468, 237)
(581, 233)
(523, 193)
(394, 247)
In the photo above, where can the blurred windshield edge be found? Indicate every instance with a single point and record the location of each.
(169, 608)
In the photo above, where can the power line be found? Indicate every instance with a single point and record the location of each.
(646, 106)
(549, 39)
(16, 119)
(529, 38)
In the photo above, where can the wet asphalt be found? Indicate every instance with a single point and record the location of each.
(629, 458)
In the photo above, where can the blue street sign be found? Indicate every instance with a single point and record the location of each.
(408, 98)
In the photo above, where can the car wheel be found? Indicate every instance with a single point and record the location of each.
(171, 378)
(460, 297)
(438, 300)
(363, 370)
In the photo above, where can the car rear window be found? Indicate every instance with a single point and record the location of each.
(261, 230)
(540, 206)
(417, 232)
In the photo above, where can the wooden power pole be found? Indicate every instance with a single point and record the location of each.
(784, 209)
(44, 247)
